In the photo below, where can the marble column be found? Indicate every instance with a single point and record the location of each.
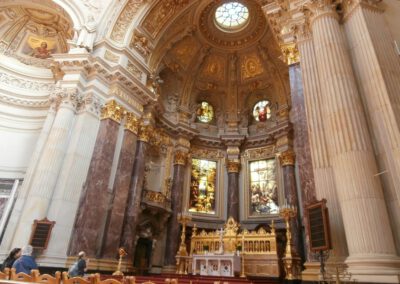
(94, 200)
(33, 164)
(45, 178)
(133, 208)
(322, 169)
(173, 227)
(359, 192)
(64, 204)
(377, 69)
(121, 187)
(233, 168)
(287, 160)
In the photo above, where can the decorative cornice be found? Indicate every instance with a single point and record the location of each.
(112, 110)
(131, 123)
(233, 166)
(287, 158)
(180, 158)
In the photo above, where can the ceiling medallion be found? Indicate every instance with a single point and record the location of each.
(232, 24)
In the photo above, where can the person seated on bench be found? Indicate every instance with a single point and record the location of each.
(26, 262)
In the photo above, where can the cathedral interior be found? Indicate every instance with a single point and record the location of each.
(180, 130)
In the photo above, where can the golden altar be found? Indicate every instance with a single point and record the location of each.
(257, 249)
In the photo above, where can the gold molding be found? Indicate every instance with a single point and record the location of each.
(145, 133)
(290, 53)
(287, 158)
(112, 110)
(233, 166)
(131, 123)
(180, 158)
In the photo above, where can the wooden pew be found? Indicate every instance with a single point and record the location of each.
(74, 280)
(6, 274)
(21, 276)
(45, 278)
(126, 280)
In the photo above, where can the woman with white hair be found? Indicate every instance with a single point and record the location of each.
(26, 262)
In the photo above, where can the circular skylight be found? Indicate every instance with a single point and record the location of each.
(231, 15)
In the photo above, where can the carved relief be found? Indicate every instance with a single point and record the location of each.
(185, 50)
(118, 92)
(111, 56)
(214, 68)
(259, 153)
(206, 153)
(134, 70)
(251, 66)
(125, 19)
(161, 14)
(140, 43)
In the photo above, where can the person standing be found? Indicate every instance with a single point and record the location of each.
(26, 262)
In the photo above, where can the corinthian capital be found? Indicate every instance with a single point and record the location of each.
(314, 9)
(91, 103)
(68, 97)
(112, 110)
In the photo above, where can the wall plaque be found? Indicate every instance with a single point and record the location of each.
(318, 226)
(41, 233)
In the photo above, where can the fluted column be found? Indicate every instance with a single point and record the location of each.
(377, 69)
(173, 227)
(23, 192)
(94, 200)
(233, 168)
(287, 160)
(121, 187)
(72, 175)
(49, 165)
(322, 169)
(360, 193)
(135, 192)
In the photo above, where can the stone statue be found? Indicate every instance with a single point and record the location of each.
(221, 242)
(87, 34)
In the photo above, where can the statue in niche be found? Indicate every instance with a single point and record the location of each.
(87, 34)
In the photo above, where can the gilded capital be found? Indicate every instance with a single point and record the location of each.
(180, 158)
(112, 110)
(145, 132)
(233, 166)
(290, 53)
(287, 158)
(131, 123)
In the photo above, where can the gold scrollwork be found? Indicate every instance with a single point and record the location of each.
(145, 132)
(290, 53)
(287, 158)
(131, 123)
(112, 110)
(233, 166)
(180, 158)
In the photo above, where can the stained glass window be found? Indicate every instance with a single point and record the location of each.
(263, 191)
(205, 112)
(202, 187)
(231, 15)
(262, 111)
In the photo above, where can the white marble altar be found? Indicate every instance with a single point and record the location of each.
(216, 265)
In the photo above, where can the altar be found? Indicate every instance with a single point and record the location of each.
(216, 265)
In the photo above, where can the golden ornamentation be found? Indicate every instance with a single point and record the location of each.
(145, 133)
(121, 253)
(116, 91)
(251, 66)
(161, 14)
(214, 68)
(182, 263)
(154, 196)
(125, 19)
(291, 261)
(113, 111)
(131, 123)
(111, 56)
(287, 158)
(180, 158)
(208, 154)
(259, 153)
(140, 43)
(290, 53)
(233, 166)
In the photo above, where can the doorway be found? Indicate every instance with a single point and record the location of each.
(142, 260)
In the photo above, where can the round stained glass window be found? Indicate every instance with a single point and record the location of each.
(205, 112)
(232, 15)
(262, 111)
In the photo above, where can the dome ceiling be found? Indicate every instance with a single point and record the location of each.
(232, 69)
